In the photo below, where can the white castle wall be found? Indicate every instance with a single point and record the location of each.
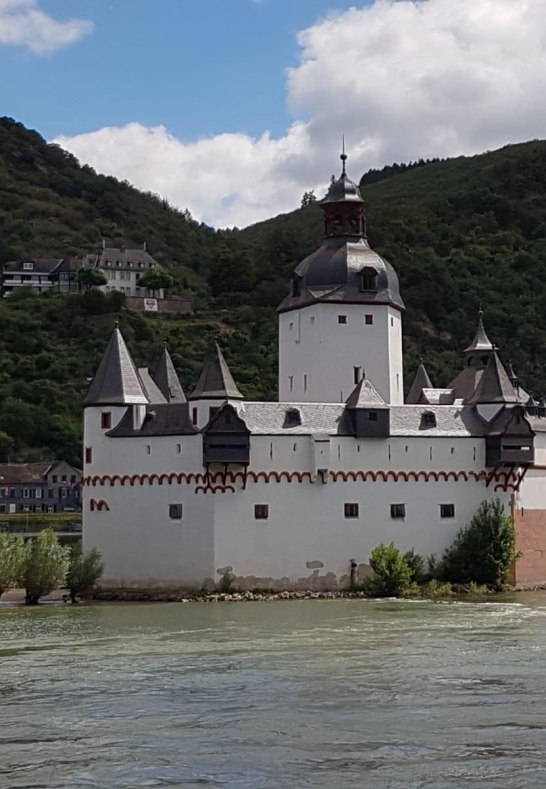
(142, 546)
(307, 541)
(317, 354)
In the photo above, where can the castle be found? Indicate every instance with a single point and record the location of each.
(178, 491)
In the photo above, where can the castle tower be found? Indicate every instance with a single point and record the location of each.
(215, 387)
(341, 320)
(115, 387)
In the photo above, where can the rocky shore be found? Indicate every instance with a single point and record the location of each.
(220, 597)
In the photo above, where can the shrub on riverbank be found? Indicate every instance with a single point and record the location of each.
(12, 552)
(45, 566)
(84, 572)
(484, 551)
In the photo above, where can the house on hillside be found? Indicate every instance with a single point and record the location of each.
(123, 267)
(39, 487)
(41, 275)
(178, 491)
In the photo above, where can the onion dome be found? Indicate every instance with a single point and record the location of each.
(344, 269)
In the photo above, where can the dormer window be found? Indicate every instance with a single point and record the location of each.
(368, 278)
(428, 419)
(292, 417)
(28, 265)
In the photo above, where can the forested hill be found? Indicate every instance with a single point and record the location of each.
(459, 232)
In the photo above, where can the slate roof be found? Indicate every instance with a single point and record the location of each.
(216, 381)
(495, 386)
(116, 381)
(332, 419)
(166, 419)
(23, 473)
(167, 380)
(465, 383)
(39, 265)
(435, 396)
(149, 386)
(122, 257)
(481, 341)
(364, 395)
(332, 273)
(420, 381)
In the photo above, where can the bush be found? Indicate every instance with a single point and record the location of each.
(12, 552)
(483, 551)
(84, 572)
(435, 588)
(392, 573)
(416, 563)
(44, 567)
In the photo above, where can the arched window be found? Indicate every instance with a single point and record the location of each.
(368, 278)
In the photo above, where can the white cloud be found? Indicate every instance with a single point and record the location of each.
(401, 79)
(23, 24)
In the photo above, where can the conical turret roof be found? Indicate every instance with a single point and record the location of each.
(481, 341)
(495, 386)
(116, 381)
(167, 380)
(216, 381)
(421, 381)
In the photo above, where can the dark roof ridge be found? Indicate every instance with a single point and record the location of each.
(216, 381)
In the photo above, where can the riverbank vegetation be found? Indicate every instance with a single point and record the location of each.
(42, 564)
(478, 561)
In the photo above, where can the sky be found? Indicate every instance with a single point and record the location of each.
(234, 108)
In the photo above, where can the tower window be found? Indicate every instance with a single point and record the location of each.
(88, 455)
(342, 319)
(106, 420)
(351, 509)
(447, 510)
(305, 382)
(194, 416)
(261, 512)
(291, 382)
(368, 320)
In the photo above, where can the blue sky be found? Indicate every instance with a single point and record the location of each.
(199, 68)
(234, 108)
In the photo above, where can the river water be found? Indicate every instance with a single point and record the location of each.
(341, 693)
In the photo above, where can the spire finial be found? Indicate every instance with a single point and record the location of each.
(480, 310)
(116, 324)
(343, 156)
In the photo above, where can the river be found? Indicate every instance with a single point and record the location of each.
(341, 693)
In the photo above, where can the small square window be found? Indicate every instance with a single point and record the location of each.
(428, 419)
(368, 320)
(106, 420)
(351, 510)
(175, 512)
(447, 510)
(342, 319)
(398, 510)
(261, 512)
(372, 416)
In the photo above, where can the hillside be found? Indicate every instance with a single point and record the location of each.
(459, 232)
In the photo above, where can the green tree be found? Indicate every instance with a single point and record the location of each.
(392, 573)
(91, 278)
(483, 551)
(45, 565)
(12, 554)
(155, 280)
(308, 198)
(84, 572)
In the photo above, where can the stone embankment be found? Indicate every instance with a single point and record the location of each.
(220, 597)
